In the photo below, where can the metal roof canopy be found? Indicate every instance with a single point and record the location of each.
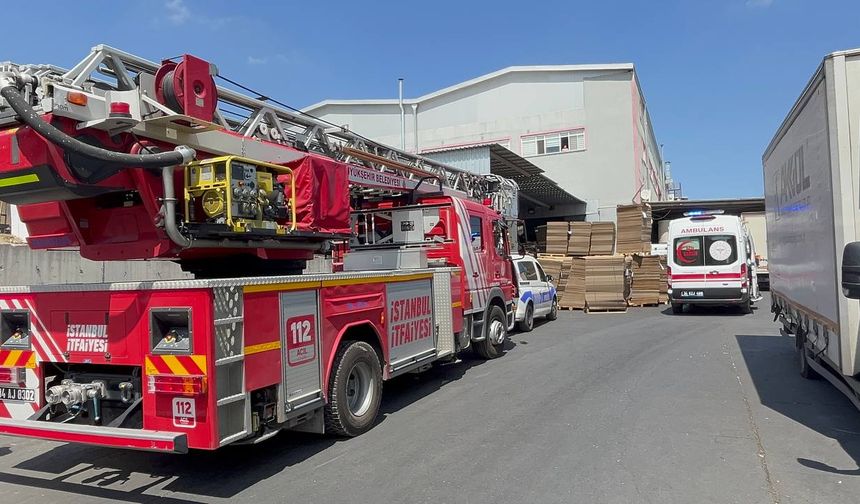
(664, 210)
(535, 187)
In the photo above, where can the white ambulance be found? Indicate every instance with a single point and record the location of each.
(711, 261)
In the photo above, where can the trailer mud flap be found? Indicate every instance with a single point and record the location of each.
(134, 439)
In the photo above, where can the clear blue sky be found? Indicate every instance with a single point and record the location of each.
(718, 75)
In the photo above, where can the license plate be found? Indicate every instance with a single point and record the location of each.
(17, 394)
(689, 294)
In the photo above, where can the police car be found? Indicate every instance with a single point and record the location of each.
(537, 295)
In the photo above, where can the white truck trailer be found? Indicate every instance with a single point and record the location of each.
(811, 174)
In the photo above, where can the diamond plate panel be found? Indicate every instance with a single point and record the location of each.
(442, 313)
(228, 340)
(227, 301)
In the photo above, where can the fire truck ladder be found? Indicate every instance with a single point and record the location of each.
(259, 117)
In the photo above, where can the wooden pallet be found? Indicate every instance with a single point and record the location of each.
(607, 309)
(644, 305)
(552, 256)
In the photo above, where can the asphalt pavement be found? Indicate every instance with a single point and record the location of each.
(601, 408)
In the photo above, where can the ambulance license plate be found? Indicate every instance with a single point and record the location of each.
(17, 394)
(692, 294)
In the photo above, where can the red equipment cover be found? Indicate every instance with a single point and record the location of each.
(322, 194)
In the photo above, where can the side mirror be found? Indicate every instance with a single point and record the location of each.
(549, 278)
(851, 270)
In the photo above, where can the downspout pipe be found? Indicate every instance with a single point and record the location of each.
(415, 126)
(402, 115)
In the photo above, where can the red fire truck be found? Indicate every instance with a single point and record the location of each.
(122, 158)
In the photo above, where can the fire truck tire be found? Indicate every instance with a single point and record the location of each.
(355, 390)
(495, 334)
(528, 322)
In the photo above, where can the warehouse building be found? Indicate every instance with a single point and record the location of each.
(585, 127)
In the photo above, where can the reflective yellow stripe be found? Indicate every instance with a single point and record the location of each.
(458, 304)
(19, 180)
(200, 360)
(150, 368)
(281, 286)
(31, 362)
(174, 365)
(355, 281)
(262, 347)
(12, 358)
(334, 283)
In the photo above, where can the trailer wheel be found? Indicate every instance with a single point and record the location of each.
(805, 369)
(677, 308)
(355, 390)
(553, 312)
(528, 322)
(495, 334)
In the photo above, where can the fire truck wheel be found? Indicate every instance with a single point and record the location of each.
(355, 390)
(495, 334)
(528, 322)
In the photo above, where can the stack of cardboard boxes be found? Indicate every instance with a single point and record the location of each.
(602, 238)
(600, 267)
(634, 229)
(647, 276)
(604, 283)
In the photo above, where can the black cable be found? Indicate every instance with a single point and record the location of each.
(67, 143)
(282, 104)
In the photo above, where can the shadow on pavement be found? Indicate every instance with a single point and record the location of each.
(102, 472)
(815, 404)
(699, 311)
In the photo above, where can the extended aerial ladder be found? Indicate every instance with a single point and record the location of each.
(114, 110)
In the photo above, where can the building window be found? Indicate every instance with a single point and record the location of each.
(554, 143)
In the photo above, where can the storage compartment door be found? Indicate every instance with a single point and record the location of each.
(300, 330)
(411, 327)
